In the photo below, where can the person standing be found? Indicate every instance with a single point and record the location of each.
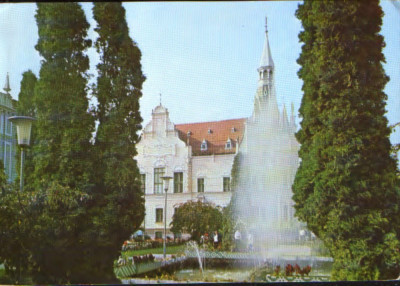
(216, 239)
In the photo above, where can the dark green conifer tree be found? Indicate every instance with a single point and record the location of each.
(64, 125)
(346, 187)
(58, 207)
(118, 91)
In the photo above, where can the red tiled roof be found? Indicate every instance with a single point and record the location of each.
(220, 132)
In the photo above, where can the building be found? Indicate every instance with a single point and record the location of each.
(8, 145)
(199, 156)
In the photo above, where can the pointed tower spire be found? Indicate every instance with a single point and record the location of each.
(265, 104)
(266, 58)
(7, 88)
(266, 68)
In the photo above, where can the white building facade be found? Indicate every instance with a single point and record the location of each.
(199, 158)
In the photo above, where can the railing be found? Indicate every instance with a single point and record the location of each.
(131, 270)
(139, 245)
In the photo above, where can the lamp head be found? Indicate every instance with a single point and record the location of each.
(24, 125)
(166, 181)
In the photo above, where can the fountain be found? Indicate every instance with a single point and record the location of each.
(267, 167)
(193, 245)
(267, 163)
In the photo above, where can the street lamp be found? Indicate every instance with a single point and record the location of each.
(166, 184)
(24, 125)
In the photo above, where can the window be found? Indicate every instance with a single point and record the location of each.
(8, 126)
(178, 182)
(227, 184)
(143, 182)
(158, 234)
(200, 185)
(159, 215)
(228, 144)
(203, 145)
(158, 182)
(8, 160)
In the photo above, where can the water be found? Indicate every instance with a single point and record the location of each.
(268, 161)
(193, 245)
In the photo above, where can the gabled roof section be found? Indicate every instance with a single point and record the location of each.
(216, 133)
(159, 109)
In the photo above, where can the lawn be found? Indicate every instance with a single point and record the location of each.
(176, 249)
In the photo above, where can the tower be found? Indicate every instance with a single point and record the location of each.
(268, 162)
(265, 99)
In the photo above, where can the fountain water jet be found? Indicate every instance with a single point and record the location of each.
(193, 245)
(268, 161)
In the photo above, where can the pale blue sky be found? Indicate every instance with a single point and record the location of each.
(202, 57)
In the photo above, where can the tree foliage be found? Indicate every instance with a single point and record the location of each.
(13, 230)
(83, 199)
(64, 127)
(61, 153)
(119, 200)
(346, 187)
(228, 225)
(395, 147)
(25, 98)
(196, 218)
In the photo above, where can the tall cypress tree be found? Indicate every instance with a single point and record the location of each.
(62, 150)
(346, 187)
(64, 126)
(118, 91)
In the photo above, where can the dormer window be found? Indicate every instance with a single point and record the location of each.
(233, 130)
(189, 133)
(209, 131)
(228, 144)
(203, 146)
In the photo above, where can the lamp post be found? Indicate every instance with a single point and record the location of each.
(166, 185)
(24, 125)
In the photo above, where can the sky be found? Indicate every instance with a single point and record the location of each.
(202, 57)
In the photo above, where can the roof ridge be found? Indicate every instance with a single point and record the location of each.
(203, 122)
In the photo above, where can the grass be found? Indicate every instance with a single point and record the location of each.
(176, 249)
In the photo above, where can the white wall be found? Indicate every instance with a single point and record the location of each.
(160, 147)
